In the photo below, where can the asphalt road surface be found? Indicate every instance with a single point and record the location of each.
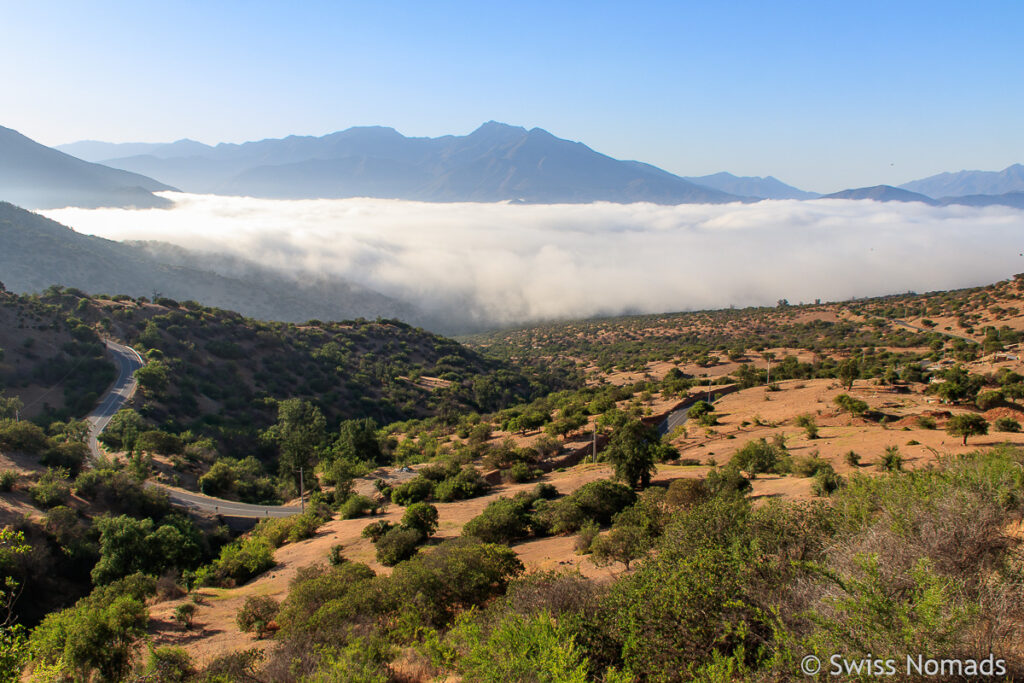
(128, 361)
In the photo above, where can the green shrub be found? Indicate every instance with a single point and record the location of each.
(412, 491)
(926, 422)
(891, 460)
(336, 555)
(468, 483)
(8, 478)
(545, 491)
(52, 489)
(375, 530)
(757, 457)
(291, 529)
(1003, 424)
(256, 614)
(826, 481)
(521, 472)
(169, 664)
(585, 537)
(357, 506)
(421, 517)
(809, 465)
(238, 562)
(852, 458)
(502, 521)
(600, 500)
(397, 545)
(687, 492)
(23, 436)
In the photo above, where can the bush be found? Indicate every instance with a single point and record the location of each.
(687, 492)
(8, 478)
(336, 555)
(1003, 424)
(23, 436)
(468, 483)
(545, 491)
(585, 538)
(808, 466)
(891, 461)
(926, 422)
(256, 614)
(502, 521)
(807, 423)
(854, 406)
(600, 500)
(989, 399)
(521, 472)
(826, 481)
(421, 517)
(238, 562)
(169, 665)
(357, 506)
(288, 529)
(413, 491)
(397, 545)
(852, 459)
(52, 489)
(375, 530)
(185, 613)
(757, 457)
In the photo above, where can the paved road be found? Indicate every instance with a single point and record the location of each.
(123, 388)
(679, 417)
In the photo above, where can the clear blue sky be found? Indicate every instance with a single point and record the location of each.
(824, 95)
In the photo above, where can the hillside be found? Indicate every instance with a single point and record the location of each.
(39, 177)
(882, 193)
(496, 162)
(39, 252)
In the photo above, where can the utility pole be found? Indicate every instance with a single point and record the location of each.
(769, 371)
(302, 493)
(595, 442)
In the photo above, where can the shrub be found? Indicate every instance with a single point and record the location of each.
(989, 399)
(52, 489)
(808, 466)
(687, 492)
(421, 517)
(891, 461)
(23, 436)
(521, 472)
(967, 424)
(807, 423)
(1003, 424)
(852, 459)
(288, 529)
(397, 545)
(8, 478)
(336, 555)
(375, 530)
(926, 422)
(758, 456)
(600, 500)
(502, 521)
(185, 613)
(238, 562)
(169, 665)
(468, 483)
(854, 406)
(585, 538)
(256, 614)
(412, 491)
(357, 506)
(545, 491)
(826, 481)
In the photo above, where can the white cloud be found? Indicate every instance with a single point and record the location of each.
(504, 263)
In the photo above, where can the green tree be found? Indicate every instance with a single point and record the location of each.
(848, 371)
(421, 517)
(967, 424)
(633, 450)
(256, 614)
(299, 434)
(357, 442)
(123, 430)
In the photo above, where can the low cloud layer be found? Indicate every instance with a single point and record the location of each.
(504, 264)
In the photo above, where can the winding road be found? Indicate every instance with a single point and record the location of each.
(128, 361)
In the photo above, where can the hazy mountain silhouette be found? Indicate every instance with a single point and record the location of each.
(1014, 199)
(1010, 179)
(39, 177)
(752, 186)
(38, 252)
(882, 193)
(496, 162)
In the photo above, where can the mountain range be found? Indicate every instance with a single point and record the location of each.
(496, 162)
(965, 183)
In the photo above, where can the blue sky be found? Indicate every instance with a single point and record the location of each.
(822, 95)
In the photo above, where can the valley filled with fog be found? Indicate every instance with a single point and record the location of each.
(494, 264)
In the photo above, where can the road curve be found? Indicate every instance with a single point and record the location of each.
(128, 361)
(917, 328)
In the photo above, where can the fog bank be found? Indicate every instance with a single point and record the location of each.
(503, 264)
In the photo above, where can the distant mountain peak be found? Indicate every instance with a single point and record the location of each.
(882, 193)
(963, 183)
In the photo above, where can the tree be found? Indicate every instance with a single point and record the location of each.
(123, 430)
(357, 442)
(633, 450)
(421, 517)
(299, 433)
(622, 544)
(848, 371)
(9, 406)
(852, 405)
(967, 424)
